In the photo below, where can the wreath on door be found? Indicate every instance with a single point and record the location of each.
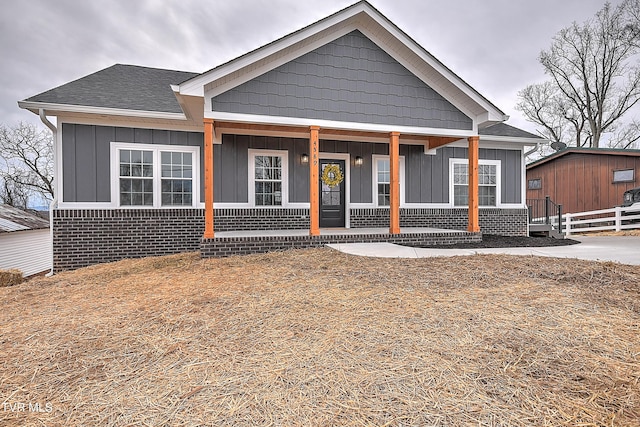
(332, 175)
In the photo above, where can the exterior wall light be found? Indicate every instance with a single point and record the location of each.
(304, 158)
(358, 161)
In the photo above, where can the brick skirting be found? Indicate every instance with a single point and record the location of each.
(83, 237)
(260, 219)
(504, 222)
(228, 246)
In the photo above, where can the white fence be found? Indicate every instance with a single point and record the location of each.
(614, 219)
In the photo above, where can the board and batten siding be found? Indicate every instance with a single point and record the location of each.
(350, 79)
(426, 176)
(29, 251)
(86, 169)
(421, 168)
(86, 173)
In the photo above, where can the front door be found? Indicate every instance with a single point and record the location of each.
(332, 193)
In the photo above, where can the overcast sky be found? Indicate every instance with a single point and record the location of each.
(492, 44)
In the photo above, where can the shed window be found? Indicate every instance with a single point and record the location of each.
(535, 184)
(624, 175)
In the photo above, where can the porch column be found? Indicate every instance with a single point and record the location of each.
(474, 224)
(208, 179)
(394, 169)
(314, 197)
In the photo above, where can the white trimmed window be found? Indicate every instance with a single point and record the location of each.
(268, 177)
(154, 175)
(488, 182)
(382, 180)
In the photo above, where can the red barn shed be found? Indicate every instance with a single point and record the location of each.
(584, 179)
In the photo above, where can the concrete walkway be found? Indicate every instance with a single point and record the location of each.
(624, 249)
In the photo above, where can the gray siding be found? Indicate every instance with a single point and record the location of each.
(426, 176)
(348, 79)
(231, 166)
(434, 171)
(86, 172)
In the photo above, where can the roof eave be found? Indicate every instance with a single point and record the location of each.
(515, 139)
(54, 109)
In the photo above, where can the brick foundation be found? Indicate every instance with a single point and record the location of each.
(504, 222)
(260, 219)
(227, 246)
(83, 237)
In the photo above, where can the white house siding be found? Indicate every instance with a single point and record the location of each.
(29, 251)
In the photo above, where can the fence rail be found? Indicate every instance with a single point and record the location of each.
(614, 219)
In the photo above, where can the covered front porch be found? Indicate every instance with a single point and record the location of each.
(244, 242)
(250, 240)
(275, 237)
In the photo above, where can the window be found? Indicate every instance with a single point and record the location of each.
(136, 178)
(534, 184)
(177, 172)
(154, 176)
(268, 177)
(382, 180)
(488, 182)
(625, 175)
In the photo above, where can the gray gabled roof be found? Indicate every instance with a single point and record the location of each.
(14, 219)
(503, 129)
(343, 11)
(123, 87)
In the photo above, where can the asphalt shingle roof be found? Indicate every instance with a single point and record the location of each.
(503, 129)
(132, 87)
(121, 86)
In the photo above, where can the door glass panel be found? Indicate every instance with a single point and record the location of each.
(330, 195)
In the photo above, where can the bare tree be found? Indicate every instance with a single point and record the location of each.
(13, 194)
(594, 78)
(545, 105)
(626, 137)
(26, 166)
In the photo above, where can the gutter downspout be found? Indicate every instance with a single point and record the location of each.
(533, 150)
(54, 201)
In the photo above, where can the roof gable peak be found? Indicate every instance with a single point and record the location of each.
(361, 16)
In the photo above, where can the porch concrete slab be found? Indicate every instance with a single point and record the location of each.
(621, 249)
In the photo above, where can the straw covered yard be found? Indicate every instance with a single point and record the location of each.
(320, 338)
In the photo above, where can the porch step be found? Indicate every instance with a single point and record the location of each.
(547, 230)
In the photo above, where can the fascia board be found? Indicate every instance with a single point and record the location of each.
(195, 86)
(51, 108)
(252, 73)
(510, 144)
(519, 140)
(338, 125)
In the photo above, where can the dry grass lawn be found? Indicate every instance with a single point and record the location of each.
(320, 338)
